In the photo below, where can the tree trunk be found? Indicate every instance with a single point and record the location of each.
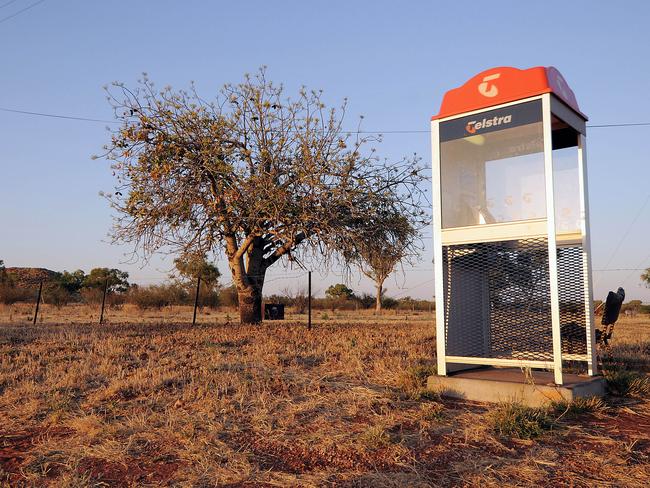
(248, 277)
(378, 298)
(250, 305)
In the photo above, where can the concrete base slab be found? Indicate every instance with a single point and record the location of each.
(511, 384)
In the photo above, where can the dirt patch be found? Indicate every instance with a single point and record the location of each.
(15, 447)
(298, 458)
(113, 473)
(625, 424)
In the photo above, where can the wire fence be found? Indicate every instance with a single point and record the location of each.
(46, 299)
(39, 298)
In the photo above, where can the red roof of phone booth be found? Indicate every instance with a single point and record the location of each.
(506, 84)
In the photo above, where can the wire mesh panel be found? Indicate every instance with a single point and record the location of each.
(497, 300)
(571, 293)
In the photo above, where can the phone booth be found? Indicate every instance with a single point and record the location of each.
(511, 226)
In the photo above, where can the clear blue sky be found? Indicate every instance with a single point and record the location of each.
(393, 60)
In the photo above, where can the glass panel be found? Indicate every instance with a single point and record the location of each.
(492, 167)
(566, 185)
(565, 177)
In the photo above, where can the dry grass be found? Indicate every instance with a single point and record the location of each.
(23, 313)
(275, 405)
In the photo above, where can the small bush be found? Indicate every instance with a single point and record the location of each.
(13, 294)
(622, 382)
(228, 297)
(208, 298)
(366, 300)
(94, 296)
(414, 379)
(425, 395)
(433, 411)
(158, 296)
(57, 296)
(375, 437)
(578, 407)
(520, 421)
(389, 303)
(91, 295)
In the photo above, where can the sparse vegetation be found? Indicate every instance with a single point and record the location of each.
(153, 404)
(622, 382)
(577, 407)
(520, 421)
(159, 296)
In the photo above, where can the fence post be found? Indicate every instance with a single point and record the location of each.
(196, 298)
(101, 315)
(38, 301)
(309, 300)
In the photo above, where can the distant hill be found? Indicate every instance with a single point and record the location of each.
(30, 276)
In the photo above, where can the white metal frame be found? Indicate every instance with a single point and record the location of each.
(437, 249)
(520, 230)
(552, 243)
(592, 364)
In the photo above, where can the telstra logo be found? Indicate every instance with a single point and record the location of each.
(474, 125)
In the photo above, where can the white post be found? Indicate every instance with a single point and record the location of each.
(437, 248)
(552, 243)
(592, 364)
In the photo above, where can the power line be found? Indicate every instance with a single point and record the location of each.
(413, 287)
(627, 231)
(400, 131)
(644, 260)
(20, 11)
(69, 117)
(619, 269)
(631, 124)
(8, 3)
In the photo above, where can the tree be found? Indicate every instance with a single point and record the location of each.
(392, 239)
(633, 305)
(339, 291)
(261, 177)
(117, 280)
(72, 282)
(645, 277)
(4, 278)
(191, 267)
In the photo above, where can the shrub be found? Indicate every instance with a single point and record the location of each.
(520, 421)
(622, 382)
(298, 299)
(432, 411)
(413, 381)
(208, 297)
(158, 296)
(577, 407)
(12, 294)
(366, 300)
(334, 304)
(228, 297)
(388, 302)
(375, 437)
(91, 295)
(57, 295)
(94, 296)
(408, 303)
